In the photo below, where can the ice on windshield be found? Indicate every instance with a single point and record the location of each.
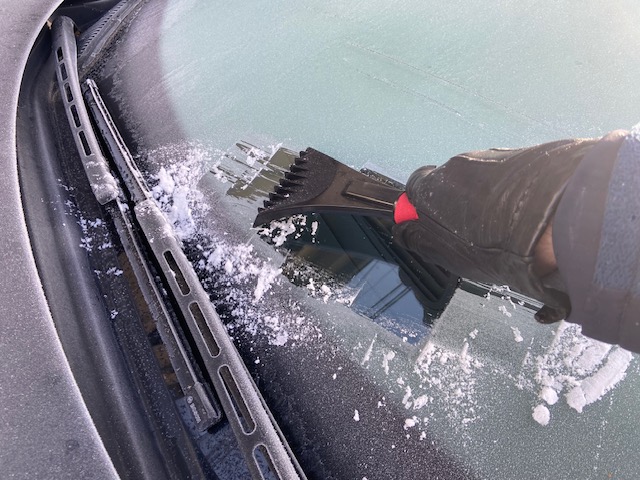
(485, 365)
(482, 388)
(402, 84)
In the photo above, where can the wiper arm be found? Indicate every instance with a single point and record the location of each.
(251, 421)
(257, 433)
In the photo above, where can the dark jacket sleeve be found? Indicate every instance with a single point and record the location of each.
(596, 239)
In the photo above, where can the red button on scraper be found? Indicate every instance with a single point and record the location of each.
(404, 211)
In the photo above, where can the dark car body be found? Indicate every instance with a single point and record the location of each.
(46, 428)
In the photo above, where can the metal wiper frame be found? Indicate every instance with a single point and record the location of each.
(143, 228)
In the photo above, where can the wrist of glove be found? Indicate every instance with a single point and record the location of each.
(482, 214)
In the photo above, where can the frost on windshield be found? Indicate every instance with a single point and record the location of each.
(231, 271)
(582, 369)
(483, 362)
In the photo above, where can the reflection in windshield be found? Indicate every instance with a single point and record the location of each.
(356, 255)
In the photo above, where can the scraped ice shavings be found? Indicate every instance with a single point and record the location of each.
(504, 292)
(327, 293)
(599, 383)
(541, 415)
(233, 271)
(450, 376)
(250, 313)
(367, 355)
(175, 192)
(581, 368)
(410, 422)
(586, 369)
(569, 369)
(517, 335)
(245, 286)
(441, 383)
(575, 368)
(387, 357)
(239, 263)
(308, 276)
(95, 232)
(280, 230)
(549, 395)
(266, 277)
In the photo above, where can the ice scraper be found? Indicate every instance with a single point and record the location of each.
(317, 183)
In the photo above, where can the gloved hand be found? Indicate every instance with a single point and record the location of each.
(482, 214)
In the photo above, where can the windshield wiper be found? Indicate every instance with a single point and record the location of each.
(143, 228)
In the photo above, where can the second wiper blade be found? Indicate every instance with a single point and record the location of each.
(265, 449)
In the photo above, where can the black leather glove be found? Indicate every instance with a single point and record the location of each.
(482, 213)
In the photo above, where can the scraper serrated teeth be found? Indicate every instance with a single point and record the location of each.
(289, 185)
(293, 176)
(283, 192)
(275, 196)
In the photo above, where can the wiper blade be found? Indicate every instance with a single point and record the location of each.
(103, 185)
(263, 445)
(251, 421)
(204, 408)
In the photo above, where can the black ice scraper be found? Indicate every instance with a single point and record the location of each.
(317, 183)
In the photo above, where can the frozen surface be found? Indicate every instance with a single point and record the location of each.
(401, 83)
(486, 359)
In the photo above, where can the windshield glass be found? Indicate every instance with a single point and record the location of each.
(401, 84)
(350, 365)
(371, 370)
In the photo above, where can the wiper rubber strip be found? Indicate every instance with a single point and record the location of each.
(264, 447)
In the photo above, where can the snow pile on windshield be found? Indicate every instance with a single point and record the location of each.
(233, 273)
(175, 192)
(581, 368)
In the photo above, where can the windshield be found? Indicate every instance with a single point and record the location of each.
(370, 373)
(400, 84)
